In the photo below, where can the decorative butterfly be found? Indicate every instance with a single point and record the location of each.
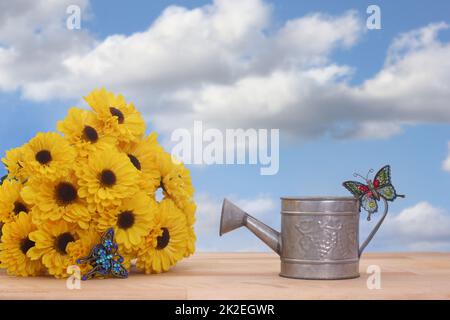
(368, 195)
(104, 259)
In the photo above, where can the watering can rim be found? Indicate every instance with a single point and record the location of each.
(319, 198)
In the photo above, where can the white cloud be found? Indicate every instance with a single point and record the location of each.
(208, 221)
(421, 227)
(413, 86)
(34, 41)
(446, 163)
(375, 129)
(228, 65)
(225, 46)
(181, 48)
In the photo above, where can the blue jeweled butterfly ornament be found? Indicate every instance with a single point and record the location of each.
(374, 190)
(104, 259)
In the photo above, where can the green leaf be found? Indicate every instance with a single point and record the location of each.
(3, 179)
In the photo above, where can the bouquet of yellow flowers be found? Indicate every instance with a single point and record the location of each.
(100, 171)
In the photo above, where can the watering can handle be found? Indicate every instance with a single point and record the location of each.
(375, 229)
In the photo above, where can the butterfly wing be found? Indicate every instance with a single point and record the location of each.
(118, 270)
(356, 188)
(369, 204)
(108, 236)
(93, 255)
(91, 274)
(108, 240)
(383, 177)
(383, 184)
(388, 192)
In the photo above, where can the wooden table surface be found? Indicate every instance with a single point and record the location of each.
(251, 276)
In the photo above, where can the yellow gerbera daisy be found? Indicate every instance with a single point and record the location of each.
(47, 155)
(143, 155)
(127, 259)
(166, 243)
(119, 118)
(107, 178)
(82, 247)
(176, 182)
(190, 243)
(83, 130)
(12, 161)
(57, 199)
(53, 241)
(14, 246)
(131, 221)
(11, 202)
(189, 211)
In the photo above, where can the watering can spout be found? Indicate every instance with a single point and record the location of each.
(233, 217)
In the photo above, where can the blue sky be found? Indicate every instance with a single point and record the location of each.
(411, 124)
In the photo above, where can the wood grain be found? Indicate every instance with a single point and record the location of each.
(251, 276)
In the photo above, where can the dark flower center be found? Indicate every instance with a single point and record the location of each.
(26, 245)
(107, 178)
(19, 207)
(125, 220)
(163, 240)
(43, 157)
(116, 112)
(62, 241)
(135, 161)
(90, 134)
(66, 193)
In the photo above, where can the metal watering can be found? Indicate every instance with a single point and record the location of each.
(319, 236)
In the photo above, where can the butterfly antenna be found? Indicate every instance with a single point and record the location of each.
(357, 175)
(370, 171)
